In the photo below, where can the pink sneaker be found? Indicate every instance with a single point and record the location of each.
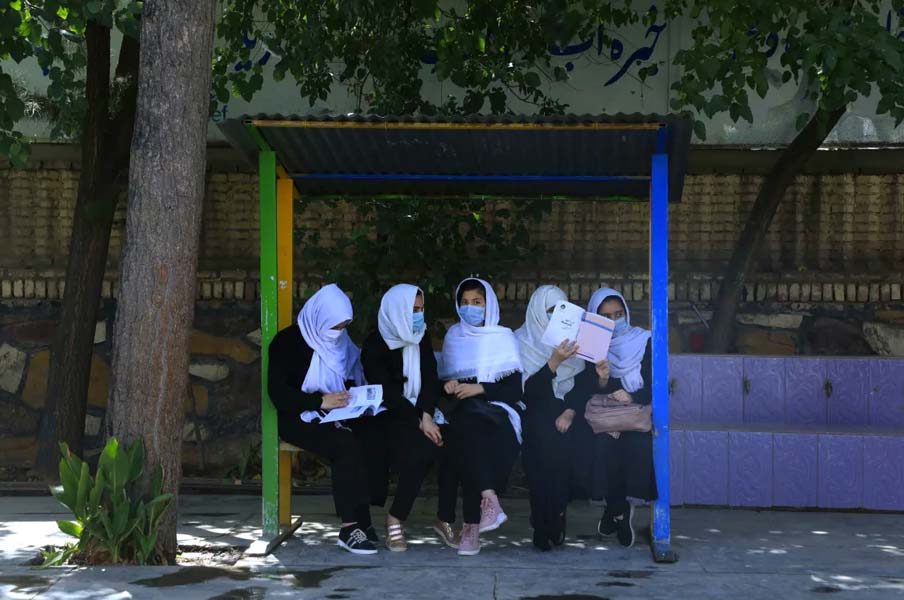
(470, 540)
(491, 514)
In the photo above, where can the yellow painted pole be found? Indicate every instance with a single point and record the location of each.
(284, 228)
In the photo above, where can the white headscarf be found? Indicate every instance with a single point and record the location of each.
(534, 353)
(335, 361)
(488, 353)
(626, 350)
(394, 323)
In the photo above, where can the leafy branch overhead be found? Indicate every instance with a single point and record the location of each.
(834, 51)
(429, 241)
(53, 33)
(494, 51)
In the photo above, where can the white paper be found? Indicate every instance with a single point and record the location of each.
(366, 399)
(571, 322)
(564, 324)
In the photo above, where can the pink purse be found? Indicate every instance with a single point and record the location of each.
(608, 416)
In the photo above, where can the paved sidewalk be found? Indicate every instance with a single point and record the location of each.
(723, 554)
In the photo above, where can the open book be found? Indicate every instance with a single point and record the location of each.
(592, 332)
(365, 400)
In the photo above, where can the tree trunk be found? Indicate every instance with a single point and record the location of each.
(789, 164)
(163, 223)
(105, 160)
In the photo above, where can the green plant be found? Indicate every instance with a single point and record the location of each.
(431, 242)
(111, 523)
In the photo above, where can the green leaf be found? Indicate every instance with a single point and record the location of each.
(532, 79)
(802, 120)
(136, 460)
(700, 130)
(762, 85)
(97, 491)
(71, 528)
(84, 486)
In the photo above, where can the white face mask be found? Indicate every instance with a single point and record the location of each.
(333, 335)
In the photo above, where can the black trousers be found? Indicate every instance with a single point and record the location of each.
(394, 443)
(345, 455)
(623, 467)
(485, 451)
(550, 462)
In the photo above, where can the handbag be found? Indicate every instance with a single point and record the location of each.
(609, 416)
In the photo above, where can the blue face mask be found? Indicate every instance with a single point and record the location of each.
(621, 326)
(472, 315)
(417, 322)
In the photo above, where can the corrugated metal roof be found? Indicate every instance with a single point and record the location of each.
(505, 145)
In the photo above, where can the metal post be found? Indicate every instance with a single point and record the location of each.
(269, 324)
(284, 191)
(659, 297)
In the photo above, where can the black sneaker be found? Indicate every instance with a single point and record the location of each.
(607, 525)
(625, 527)
(372, 536)
(355, 541)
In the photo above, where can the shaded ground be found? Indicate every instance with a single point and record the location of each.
(723, 554)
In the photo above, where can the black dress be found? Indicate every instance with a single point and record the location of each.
(553, 461)
(290, 358)
(623, 466)
(483, 441)
(397, 441)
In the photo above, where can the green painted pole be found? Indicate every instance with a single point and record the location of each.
(269, 432)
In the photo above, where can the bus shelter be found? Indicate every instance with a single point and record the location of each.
(605, 157)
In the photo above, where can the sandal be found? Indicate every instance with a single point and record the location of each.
(395, 538)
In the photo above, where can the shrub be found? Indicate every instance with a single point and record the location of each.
(113, 522)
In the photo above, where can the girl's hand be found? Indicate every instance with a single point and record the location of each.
(621, 396)
(468, 390)
(561, 353)
(451, 387)
(602, 370)
(431, 429)
(335, 400)
(563, 423)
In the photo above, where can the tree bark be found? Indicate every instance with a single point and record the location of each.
(772, 191)
(105, 150)
(163, 222)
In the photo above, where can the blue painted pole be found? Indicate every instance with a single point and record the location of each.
(659, 297)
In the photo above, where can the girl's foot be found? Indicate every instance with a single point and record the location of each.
(491, 514)
(446, 533)
(395, 537)
(470, 540)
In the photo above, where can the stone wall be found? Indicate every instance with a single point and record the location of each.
(829, 283)
(222, 411)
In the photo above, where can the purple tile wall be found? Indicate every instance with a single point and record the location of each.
(849, 402)
(706, 467)
(764, 385)
(840, 471)
(676, 466)
(740, 466)
(722, 390)
(883, 472)
(886, 398)
(686, 388)
(750, 468)
(795, 459)
(805, 398)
